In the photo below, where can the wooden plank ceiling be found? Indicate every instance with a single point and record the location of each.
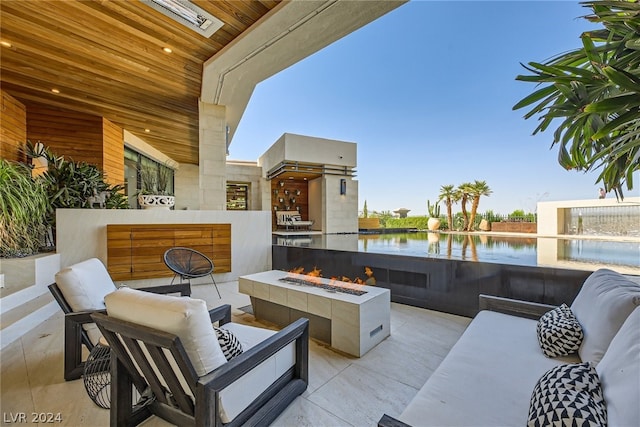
(105, 57)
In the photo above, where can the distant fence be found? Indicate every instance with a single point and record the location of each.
(509, 218)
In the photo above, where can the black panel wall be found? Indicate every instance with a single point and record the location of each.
(450, 286)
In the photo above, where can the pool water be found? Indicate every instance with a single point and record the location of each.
(483, 248)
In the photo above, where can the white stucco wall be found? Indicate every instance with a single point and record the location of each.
(212, 156)
(187, 184)
(340, 211)
(309, 149)
(249, 172)
(82, 234)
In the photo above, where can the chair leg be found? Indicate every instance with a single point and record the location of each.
(216, 285)
(73, 364)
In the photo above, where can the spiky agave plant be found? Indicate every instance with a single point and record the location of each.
(23, 206)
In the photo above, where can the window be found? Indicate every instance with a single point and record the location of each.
(237, 196)
(133, 161)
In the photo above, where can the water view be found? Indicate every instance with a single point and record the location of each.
(586, 254)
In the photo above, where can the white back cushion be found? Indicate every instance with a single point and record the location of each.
(619, 372)
(603, 304)
(84, 286)
(187, 318)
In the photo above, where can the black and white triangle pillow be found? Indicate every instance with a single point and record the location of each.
(229, 343)
(568, 395)
(559, 332)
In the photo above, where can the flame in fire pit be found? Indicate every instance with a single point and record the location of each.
(316, 272)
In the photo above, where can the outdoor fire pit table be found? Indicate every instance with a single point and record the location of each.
(351, 318)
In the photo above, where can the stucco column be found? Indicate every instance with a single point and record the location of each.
(213, 156)
(340, 211)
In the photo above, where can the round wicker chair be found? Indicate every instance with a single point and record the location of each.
(189, 264)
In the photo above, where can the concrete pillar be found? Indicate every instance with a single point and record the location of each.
(213, 154)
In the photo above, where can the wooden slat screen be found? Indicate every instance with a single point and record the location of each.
(135, 251)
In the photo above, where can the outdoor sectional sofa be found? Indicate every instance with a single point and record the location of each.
(489, 376)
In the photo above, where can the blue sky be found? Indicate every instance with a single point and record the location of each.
(426, 91)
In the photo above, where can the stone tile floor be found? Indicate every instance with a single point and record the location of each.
(343, 390)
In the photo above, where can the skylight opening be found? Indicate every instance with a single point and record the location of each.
(188, 14)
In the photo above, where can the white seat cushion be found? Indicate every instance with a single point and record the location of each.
(84, 286)
(236, 397)
(603, 304)
(487, 377)
(187, 318)
(619, 372)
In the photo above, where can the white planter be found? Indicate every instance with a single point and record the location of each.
(433, 224)
(155, 201)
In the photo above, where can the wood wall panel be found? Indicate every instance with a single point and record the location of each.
(112, 152)
(135, 251)
(13, 128)
(75, 135)
(301, 200)
(81, 137)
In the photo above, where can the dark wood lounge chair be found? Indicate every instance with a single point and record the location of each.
(157, 364)
(77, 323)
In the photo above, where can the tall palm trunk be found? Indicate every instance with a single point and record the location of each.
(465, 214)
(474, 210)
(449, 214)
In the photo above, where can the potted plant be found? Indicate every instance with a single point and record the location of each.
(433, 223)
(154, 192)
(23, 208)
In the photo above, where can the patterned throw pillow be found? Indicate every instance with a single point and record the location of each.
(559, 332)
(568, 395)
(229, 343)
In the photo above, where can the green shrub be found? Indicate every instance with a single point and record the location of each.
(23, 206)
(419, 222)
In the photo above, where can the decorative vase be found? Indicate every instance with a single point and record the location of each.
(433, 224)
(156, 201)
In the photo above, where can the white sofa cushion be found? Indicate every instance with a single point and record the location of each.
(236, 397)
(187, 318)
(619, 372)
(84, 286)
(603, 304)
(487, 377)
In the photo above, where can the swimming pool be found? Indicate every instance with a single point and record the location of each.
(587, 254)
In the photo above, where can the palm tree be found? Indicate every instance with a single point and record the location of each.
(595, 93)
(449, 195)
(476, 190)
(462, 193)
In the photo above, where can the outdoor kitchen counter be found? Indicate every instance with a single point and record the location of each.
(353, 324)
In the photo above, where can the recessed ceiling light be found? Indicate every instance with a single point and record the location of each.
(5, 44)
(54, 90)
(167, 49)
(147, 130)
